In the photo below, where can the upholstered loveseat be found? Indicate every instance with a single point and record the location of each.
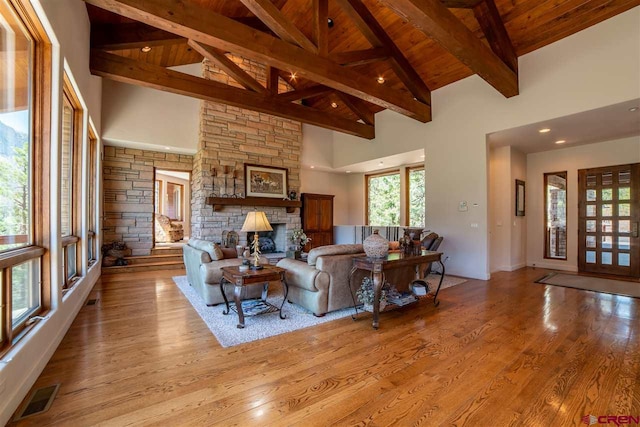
(321, 284)
(203, 261)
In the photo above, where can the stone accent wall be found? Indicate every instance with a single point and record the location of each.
(232, 137)
(128, 193)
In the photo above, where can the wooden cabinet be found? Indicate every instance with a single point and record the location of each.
(317, 219)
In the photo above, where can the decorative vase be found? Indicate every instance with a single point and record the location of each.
(376, 246)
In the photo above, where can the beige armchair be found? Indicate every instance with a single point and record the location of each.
(167, 231)
(321, 284)
(203, 261)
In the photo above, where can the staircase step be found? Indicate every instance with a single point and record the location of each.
(166, 250)
(147, 259)
(152, 266)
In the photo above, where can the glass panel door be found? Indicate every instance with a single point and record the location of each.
(609, 212)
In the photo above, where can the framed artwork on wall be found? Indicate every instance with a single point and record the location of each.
(265, 181)
(519, 197)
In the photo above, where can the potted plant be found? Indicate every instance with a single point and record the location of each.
(366, 294)
(298, 239)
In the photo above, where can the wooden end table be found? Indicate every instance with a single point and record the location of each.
(240, 279)
(377, 267)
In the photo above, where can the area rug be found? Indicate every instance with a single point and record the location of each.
(588, 283)
(266, 325)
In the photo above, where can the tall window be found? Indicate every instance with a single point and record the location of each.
(383, 199)
(91, 185)
(71, 146)
(173, 207)
(22, 53)
(416, 198)
(555, 203)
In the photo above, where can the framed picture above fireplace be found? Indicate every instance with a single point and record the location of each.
(265, 181)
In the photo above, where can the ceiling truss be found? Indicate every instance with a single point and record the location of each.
(341, 78)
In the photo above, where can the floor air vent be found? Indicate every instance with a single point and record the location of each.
(40, 401)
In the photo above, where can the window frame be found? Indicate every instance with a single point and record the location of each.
(367, 178)
(75, 209)
(407, 206)
(40, 104)
(92, 199)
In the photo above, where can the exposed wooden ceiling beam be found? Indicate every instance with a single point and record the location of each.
(359, 107)
(310, 92)
(355, 58)
(438, 23)
(377, 36)
(127, 70)
(228, 66)
(320, 15)
(460, 4)
(494, 30)
(273, 75)
(136, 35)
(130, 36)
(278, 23)
(195, 22)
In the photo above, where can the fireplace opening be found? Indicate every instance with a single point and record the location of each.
(271, 241)
(267, 244)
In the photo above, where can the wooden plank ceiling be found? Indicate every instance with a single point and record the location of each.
(351, 58)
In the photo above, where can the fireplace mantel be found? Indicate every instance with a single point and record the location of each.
(219, 203)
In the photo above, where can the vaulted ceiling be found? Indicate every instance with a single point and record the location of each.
(344, 60)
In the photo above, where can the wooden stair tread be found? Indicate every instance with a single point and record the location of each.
(162, 265)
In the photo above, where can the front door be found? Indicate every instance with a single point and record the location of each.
(609, 212)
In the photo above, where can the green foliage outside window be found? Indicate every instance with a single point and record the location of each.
(14, 181)
(416, 198)
(384, 200)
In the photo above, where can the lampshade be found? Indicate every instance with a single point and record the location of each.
(256, 221)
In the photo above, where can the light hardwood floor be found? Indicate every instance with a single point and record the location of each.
(503, 352)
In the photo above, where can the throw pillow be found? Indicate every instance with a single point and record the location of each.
(229, 253)
(217, 253)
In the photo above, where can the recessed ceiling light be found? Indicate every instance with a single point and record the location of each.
(347, 171)
(422, 156)
(293, 76)
(545, 130)
(312, 167)
(380, 79)
(167, 148)
(632, 109)
(334, 105)
(560, 141)
(145, 49)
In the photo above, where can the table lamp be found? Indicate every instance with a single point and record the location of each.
(256, 221)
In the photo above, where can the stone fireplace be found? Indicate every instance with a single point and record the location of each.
(230, 138)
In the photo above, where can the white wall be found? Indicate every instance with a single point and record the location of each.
(499, 203)
(68, 25)
(317, 147)
(518, 224)
(593, 68)
(618, 152)
(144, 118)
(319, 182)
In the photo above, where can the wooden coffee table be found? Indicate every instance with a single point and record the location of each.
(240, 279)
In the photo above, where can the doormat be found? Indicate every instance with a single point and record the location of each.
(596, 284)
